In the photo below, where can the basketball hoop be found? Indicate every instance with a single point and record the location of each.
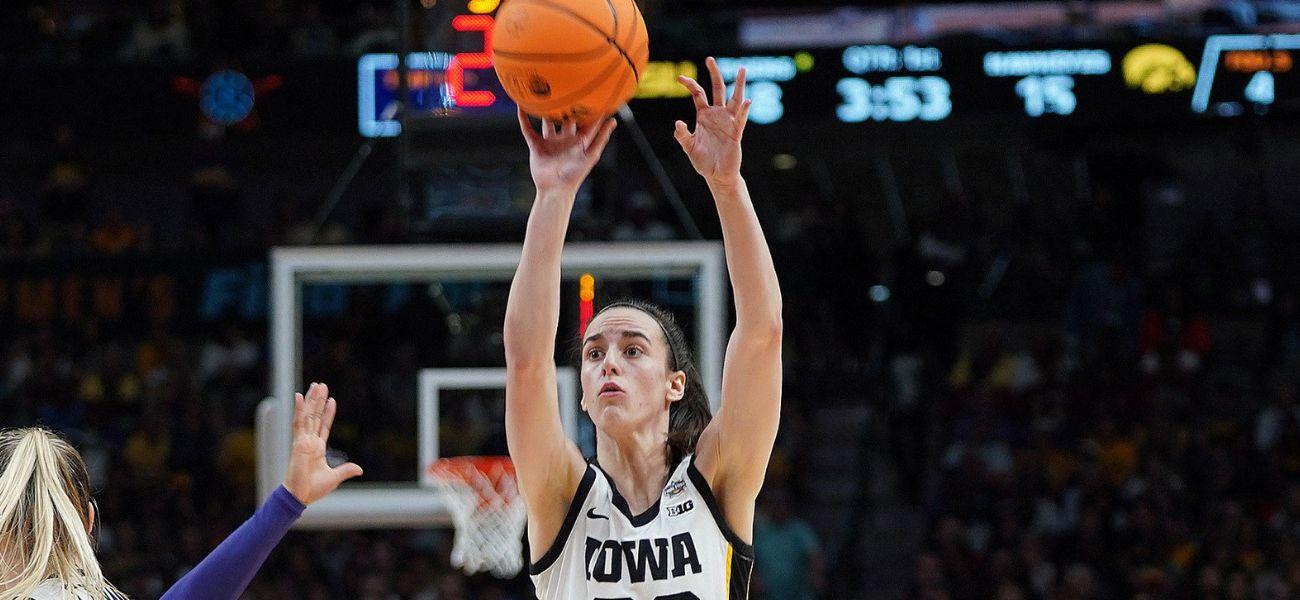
(487, 511)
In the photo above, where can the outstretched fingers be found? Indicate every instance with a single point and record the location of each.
(345, 472)
(738, 94)
(327, 421)
(299, 413)
(698, 95)
(719, 87)
(310, 412)
(596, 145)
(314, 408)
(682, 134)
(587, 133)
(526, 126)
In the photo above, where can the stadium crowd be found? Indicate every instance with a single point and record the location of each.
(1145, 443)
(1152, 475)
(154, 31)
(1123, 451)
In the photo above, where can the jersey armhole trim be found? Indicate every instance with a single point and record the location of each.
(701, 484)
(570, 518)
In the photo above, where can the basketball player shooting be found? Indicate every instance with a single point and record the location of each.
(665, 511)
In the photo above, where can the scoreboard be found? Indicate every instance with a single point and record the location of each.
(1246, 69)
(451, 83)
(1218, 76)
(1146, 81)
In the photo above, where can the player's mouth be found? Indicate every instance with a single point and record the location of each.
(610, 390)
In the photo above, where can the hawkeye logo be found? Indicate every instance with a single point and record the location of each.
(1158, 69)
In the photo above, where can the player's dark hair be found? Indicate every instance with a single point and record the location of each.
(687, 417)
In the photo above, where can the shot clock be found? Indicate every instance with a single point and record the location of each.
(445, 84)
(1241, 73)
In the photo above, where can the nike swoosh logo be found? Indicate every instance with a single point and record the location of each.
(591, 514)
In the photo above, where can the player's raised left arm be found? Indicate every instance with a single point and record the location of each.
(733, 451)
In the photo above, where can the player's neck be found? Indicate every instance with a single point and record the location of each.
(638, 467)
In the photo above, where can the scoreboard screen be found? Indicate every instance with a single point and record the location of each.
(1147, 81)
(1218, 76)
(1243, 70)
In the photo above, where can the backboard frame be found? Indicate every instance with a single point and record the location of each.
(390, 505)
(433, 381)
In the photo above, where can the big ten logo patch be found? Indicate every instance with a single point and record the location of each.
(681, 509)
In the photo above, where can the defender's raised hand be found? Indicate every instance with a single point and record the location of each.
(310, 477)
(714, 146)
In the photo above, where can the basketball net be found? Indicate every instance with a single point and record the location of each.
(487, 511)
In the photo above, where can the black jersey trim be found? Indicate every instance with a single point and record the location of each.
(621, 504)
(706, 493)
(570, 518)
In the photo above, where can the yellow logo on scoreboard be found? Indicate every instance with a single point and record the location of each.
(1158, 69)
(660, 79)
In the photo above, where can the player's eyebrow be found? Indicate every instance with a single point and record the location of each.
(627, 333)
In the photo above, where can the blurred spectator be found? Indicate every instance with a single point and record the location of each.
(1282, 347)
(65, 193)
(1174, 335)
(312, 36)
(1102, 313)
(163, 34)
(15, 233)
(1279, 421)
(115, 236)
(146, 451)
(214, 208)
(788, 562)
(234, 352)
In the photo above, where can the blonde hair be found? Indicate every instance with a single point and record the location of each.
(45, 517)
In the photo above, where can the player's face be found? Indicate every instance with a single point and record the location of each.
(626, 384)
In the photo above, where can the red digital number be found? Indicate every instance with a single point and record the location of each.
(471, 61)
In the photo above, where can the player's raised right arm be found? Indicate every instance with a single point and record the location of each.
(548, 464)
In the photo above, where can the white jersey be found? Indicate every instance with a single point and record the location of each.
(679, 549)
(53, 589)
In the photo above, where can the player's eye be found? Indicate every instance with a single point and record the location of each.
(594, 354)
(633, 351)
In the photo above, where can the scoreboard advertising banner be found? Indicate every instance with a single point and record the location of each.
(1220, 76)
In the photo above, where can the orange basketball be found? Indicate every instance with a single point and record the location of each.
(578, 59)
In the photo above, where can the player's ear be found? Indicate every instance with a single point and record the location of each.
(677, 386)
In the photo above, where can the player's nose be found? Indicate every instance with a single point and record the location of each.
(610, 364)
